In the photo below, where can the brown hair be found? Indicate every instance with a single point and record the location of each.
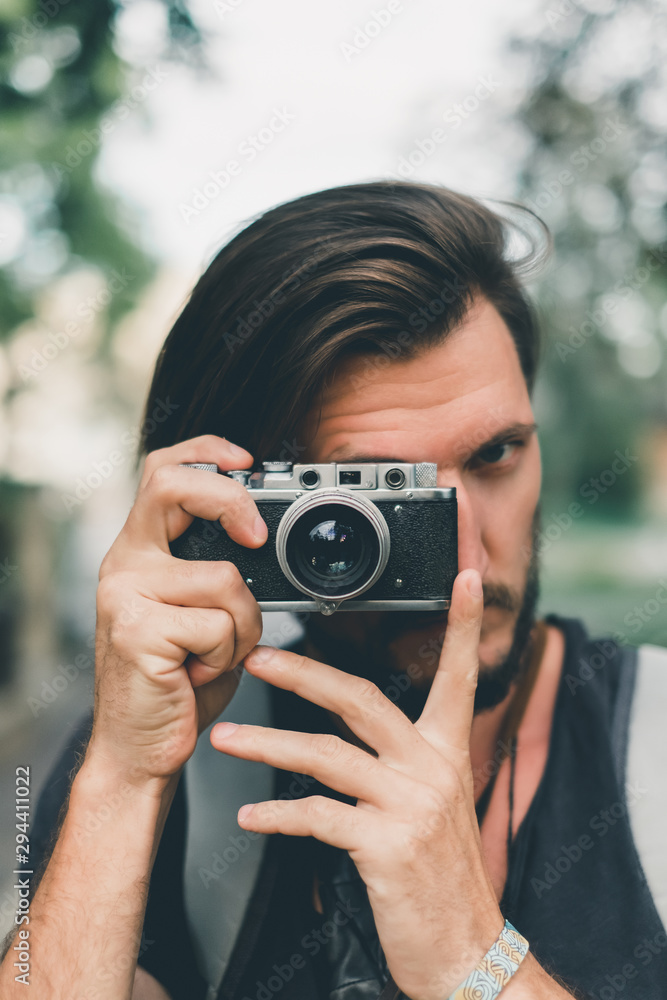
(383, 268)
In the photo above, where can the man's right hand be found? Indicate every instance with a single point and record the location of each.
(171, 631)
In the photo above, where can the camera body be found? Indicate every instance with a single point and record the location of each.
(366, 536)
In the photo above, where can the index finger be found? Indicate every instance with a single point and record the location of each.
(359, 702)
(171, 495)
(207, 448)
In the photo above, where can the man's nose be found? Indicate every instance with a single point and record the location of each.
(472, 553)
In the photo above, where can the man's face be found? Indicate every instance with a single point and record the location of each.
(463, 404)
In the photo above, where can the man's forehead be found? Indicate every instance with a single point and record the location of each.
(462, 393)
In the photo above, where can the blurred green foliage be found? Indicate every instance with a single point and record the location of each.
(595, 117)
(60, 75)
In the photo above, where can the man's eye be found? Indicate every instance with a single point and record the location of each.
(496, 453)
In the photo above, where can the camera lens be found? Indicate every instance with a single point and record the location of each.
(332, 549)
(309, 478)
(394, 479)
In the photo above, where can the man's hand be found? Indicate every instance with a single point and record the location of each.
(413, 832)
(171, 631)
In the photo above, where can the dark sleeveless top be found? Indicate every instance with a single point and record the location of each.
(575, 887)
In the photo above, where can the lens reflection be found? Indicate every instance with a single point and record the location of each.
(333, 548)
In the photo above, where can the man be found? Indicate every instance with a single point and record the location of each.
(477, 777)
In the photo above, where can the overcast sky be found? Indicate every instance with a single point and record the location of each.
(308, 95)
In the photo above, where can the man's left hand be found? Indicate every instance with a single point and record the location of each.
(413, 833)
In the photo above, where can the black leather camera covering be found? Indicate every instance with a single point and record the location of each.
(423, 554)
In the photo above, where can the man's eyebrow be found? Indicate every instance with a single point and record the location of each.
(513, 430)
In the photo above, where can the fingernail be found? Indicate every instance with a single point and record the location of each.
(475, 585)
(235, 450)
(260, 530)
(245, 811)
(224, 729)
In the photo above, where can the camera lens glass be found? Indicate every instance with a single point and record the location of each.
(333, 549)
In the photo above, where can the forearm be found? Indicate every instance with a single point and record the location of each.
(86, 917)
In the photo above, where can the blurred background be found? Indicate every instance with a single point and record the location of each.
(119, 119)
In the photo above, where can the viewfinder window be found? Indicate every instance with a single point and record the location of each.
(350, 478)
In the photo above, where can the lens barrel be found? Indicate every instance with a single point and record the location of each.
(331, 545)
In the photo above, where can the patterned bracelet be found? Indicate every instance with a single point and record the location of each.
(495, 970)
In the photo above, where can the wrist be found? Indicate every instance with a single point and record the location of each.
(106, 812)
(104, 769)
(488, 965)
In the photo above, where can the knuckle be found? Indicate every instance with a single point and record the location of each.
(153, 460)
(238, 505)
(211, 440)
(299, 664)
(367, 690)
(107, 565)
(316, 806)
(123, 637)
(225, 625)
(430, 817)
(255, 630)
(365, 698)
(327, 747)
(228, 577)
(188, 571)
(113, 588)
(449, 783)
(161, 481)
(433, 804)
(186, 619)
(412, 845)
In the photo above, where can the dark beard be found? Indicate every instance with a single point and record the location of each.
(369, 658)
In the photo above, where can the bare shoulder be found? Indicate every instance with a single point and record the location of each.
(146, 987)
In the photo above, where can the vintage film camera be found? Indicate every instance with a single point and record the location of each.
(360, 537)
